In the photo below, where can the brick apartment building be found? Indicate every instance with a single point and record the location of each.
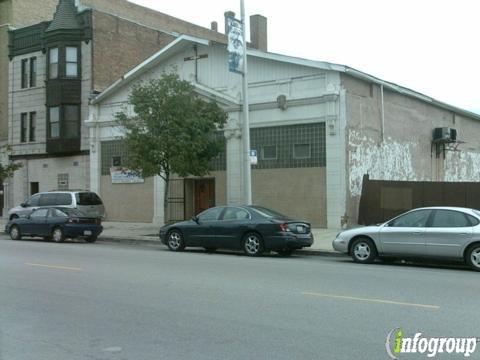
(50, 69)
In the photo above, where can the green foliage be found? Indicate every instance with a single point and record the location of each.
(172, 129)
(7, 171)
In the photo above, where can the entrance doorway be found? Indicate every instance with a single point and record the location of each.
(204, 194)
(188, 197)
(34, 188)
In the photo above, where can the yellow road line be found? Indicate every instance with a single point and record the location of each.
(433, 307)
(55, 267)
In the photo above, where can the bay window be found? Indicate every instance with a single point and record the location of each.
(63, 62)
(64, 122)
(71, 121)
(53, 63)
(54, 120)
(71, 61)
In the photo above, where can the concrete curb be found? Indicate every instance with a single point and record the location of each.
(152, 242)
(128, 241)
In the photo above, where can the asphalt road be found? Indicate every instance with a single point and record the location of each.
(108, 301)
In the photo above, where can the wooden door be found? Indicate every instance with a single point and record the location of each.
(204, 194)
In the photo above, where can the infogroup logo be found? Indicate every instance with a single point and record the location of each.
(397, 343)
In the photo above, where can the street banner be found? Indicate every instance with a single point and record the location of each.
(235, 45)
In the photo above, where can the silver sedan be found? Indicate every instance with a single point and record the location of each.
(435, 232)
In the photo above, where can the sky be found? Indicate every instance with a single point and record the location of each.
(430, 46)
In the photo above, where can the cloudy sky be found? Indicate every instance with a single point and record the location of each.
(431, 46)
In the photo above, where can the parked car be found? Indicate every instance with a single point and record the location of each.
(87, 202)
(55, 223)
(434, 232)
(253, 229)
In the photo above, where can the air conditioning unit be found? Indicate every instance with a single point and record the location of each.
(444, 134)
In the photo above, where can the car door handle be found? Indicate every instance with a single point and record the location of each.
(417, 233)
(463, 234)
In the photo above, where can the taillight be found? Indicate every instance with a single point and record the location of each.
(284, 227)
(98, 221)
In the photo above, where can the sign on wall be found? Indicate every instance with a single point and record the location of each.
(253, 157)
(125, 176)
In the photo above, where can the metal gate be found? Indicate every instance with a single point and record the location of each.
(176, 200)
(381, 200)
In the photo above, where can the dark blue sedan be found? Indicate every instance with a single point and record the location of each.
(56, 224)
(253, 229)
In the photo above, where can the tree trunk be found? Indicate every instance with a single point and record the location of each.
(165, 198)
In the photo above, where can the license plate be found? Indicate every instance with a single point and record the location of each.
(301, 229)
(87, 232)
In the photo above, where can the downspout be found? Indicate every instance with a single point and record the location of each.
(383, 113)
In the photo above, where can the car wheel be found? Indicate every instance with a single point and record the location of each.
(253, 244)
(91, 239)
(15, 233)
(57, 235)
(210, 249)
(285, 252)
(175, 240)
(363, 251)
(473, 257)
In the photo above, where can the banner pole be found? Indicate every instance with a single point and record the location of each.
(247, 177)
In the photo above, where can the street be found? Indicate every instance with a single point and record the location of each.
(108, 301)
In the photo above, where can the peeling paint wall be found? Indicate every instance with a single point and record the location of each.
(462, 166)
(388, 160)
(403, 152)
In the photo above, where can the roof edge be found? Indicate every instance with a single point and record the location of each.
(411, 93)
(151, 61)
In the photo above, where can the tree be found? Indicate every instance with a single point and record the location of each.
(172, 130)
(7, 170)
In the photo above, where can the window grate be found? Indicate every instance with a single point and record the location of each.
(296, 146)
(62, 182)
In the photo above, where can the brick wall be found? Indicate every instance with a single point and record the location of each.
(119, 45)
(152, 18)
(5, 12)
(28, 12)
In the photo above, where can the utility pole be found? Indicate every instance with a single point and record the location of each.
(247, 172)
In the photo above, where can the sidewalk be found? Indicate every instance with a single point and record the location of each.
(147, 233)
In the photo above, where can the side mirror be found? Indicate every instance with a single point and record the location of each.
(195, 218)
(24, 204)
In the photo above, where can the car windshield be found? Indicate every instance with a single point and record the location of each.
(268, 213)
